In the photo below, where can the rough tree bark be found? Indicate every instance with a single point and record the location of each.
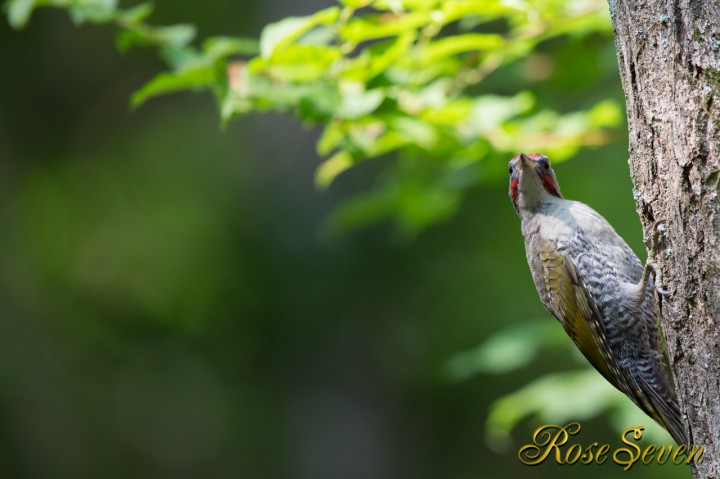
(669, 57)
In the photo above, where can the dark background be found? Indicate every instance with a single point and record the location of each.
(169, 307)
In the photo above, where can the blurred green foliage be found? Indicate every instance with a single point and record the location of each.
(170, 311)
(399, 77)
(556, 398)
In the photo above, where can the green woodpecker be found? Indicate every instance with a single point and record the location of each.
(591, 281)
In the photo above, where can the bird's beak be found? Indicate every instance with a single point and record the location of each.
(525, 161)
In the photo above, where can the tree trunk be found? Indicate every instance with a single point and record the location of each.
(669, 57)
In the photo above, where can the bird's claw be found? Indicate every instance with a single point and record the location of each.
(661, 291)
(651, 233)
(652, 269)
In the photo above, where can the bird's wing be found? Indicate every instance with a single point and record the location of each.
(570, 302)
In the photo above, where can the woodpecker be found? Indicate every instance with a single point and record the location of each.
(591, 281)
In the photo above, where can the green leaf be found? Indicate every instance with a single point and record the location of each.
(319, 35)
(194, 79)
(138, 13)
(184, 58)
(285, 30)
(318, 103)
(175, 36)
(170, 38)
(456, 44)
(19, 12)
(222, 47)
(378, 58)
(555, 398)
(96, 11)
(491, 111)
(357, 103)
(390, 53)
(605, 114)
(299, 63)
(453, 114)
(331, 168)
(331, 138)
(415, 131)
(484, 10)
(356, 3)
(280, 34)
(400, 5)
(363, 29)
(507, 350)
(125, 39)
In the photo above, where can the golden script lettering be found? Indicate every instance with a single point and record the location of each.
(553, 442)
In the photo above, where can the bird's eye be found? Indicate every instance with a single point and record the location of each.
(544, 164)
(511, 168)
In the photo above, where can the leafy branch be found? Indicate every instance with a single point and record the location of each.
(382, 77)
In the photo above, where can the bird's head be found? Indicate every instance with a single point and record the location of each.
(532, 181)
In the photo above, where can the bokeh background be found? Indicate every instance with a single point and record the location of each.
(170, 307)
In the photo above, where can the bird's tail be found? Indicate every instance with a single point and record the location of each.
(665, 411)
